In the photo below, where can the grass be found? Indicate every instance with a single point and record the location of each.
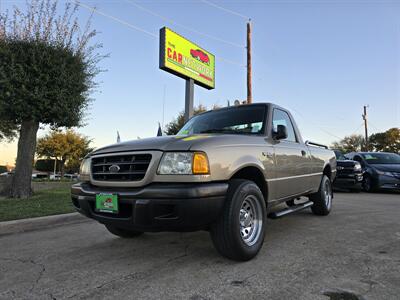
(42, 203)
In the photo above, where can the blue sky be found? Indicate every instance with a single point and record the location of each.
(321, 59)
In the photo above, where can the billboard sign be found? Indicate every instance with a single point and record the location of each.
(185, 59)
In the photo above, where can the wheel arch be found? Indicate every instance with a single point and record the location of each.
(254, 174)
(328, 171)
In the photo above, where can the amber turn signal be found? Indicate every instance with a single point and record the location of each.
(200, 164)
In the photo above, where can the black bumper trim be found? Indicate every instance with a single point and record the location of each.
(156, 207)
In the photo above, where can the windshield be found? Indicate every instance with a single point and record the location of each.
(381, 158)
(339, 155)
(238, 120)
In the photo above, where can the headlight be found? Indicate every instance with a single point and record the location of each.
(357, 166)
(84, 170)
(183, 163)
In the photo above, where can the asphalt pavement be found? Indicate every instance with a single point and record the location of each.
(354, 253)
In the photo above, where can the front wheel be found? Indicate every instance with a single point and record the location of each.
(323, 198)
(368, 184)
(239, 232)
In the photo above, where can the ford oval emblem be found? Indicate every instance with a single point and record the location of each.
(114, 168)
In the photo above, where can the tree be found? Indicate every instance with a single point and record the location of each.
(175, 125)
(47, 70)
(8, 131)
(350, 143)
(388, 141)
(67, 146)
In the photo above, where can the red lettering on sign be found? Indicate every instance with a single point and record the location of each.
(172, 54)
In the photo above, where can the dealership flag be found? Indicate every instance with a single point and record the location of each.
(159, 132)
(118, 137)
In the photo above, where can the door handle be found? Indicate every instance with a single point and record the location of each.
(303, 153)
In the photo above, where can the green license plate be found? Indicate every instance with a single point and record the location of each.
(107, 203)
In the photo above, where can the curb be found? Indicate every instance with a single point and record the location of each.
(26, 225)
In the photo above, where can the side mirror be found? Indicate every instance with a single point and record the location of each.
(280, 133)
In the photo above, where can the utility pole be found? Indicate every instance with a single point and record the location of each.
(366, 127)
(249, 92)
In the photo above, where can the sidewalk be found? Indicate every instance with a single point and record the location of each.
(25, 225)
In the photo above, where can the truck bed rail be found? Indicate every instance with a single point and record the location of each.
(309, 143)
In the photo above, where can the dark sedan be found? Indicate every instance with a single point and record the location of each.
(381, 170)
(349, 173)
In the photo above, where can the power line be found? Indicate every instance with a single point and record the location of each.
(358, 128)
(228, 61)
(137, 28)
(134, 27)
(183, 26)
(315, 124)
(226, 9)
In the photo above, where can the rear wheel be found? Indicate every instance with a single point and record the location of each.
(323, 198)
(124, 233)
(239, 232)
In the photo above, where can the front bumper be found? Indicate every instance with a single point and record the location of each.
(156, 207)
(388, 182)
(351, 181)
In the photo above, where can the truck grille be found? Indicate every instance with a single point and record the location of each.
(130, 167)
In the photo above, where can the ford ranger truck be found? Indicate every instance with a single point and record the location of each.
(225, 171)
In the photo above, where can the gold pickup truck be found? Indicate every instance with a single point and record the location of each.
(224, 172)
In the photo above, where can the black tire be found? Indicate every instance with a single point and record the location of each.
(123, 233)
(355, 190)
(368, 184)
(290, 203)
(323, 198)
(229, 234)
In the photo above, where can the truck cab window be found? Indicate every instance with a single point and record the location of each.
(281, 117)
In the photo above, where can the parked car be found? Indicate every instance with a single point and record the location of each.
(220, 173)
(349, 173)
(6, 174)
(381, 170)
(55, 177)
(71, 176)
(39, 175)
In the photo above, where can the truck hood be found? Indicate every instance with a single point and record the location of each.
(173, 143)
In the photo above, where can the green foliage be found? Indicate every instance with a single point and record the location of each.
(47, 67)
(65, 146)
(388, 141)
(43, 203)
(42, 82)
(350, 143)
(8, 130)
(3, 169)
(175, 125)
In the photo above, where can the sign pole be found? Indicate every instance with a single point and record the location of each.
(189, 93)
